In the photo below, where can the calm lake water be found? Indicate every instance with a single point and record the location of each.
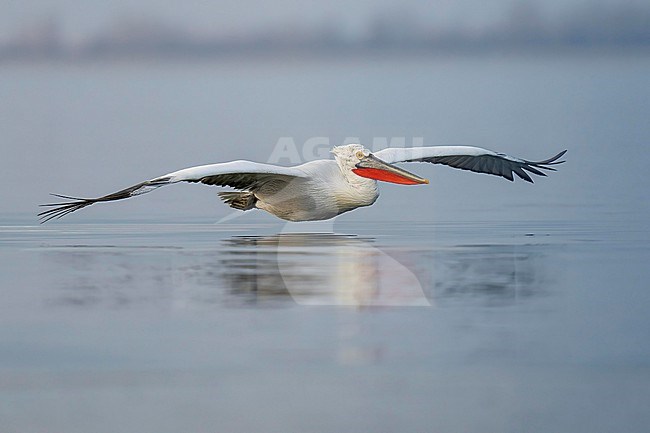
(472, 304)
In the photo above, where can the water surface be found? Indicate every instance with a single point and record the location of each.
(438, 326)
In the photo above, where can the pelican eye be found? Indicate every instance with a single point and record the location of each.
(360, 154)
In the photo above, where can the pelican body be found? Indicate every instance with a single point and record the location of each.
(321, 189)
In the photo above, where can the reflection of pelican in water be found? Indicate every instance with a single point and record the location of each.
(312, 269)
(319, 269)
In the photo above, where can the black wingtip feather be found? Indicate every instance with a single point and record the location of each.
(551, 161)
(499, 164)
(67, 197)
(60, 210)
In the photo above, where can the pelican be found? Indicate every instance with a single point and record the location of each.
(321, 189)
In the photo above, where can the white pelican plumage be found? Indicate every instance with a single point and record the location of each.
(321, 189)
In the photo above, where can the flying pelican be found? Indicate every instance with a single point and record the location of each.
(321, 189)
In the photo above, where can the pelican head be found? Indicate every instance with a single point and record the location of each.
(357, 159)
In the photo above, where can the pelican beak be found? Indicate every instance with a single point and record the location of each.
(374, 168)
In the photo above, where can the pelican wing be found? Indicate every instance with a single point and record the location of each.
(473, 159)
(243, 175)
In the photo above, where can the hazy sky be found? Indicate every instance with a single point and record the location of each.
(80, 17)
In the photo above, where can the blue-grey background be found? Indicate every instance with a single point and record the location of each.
(469, 304)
